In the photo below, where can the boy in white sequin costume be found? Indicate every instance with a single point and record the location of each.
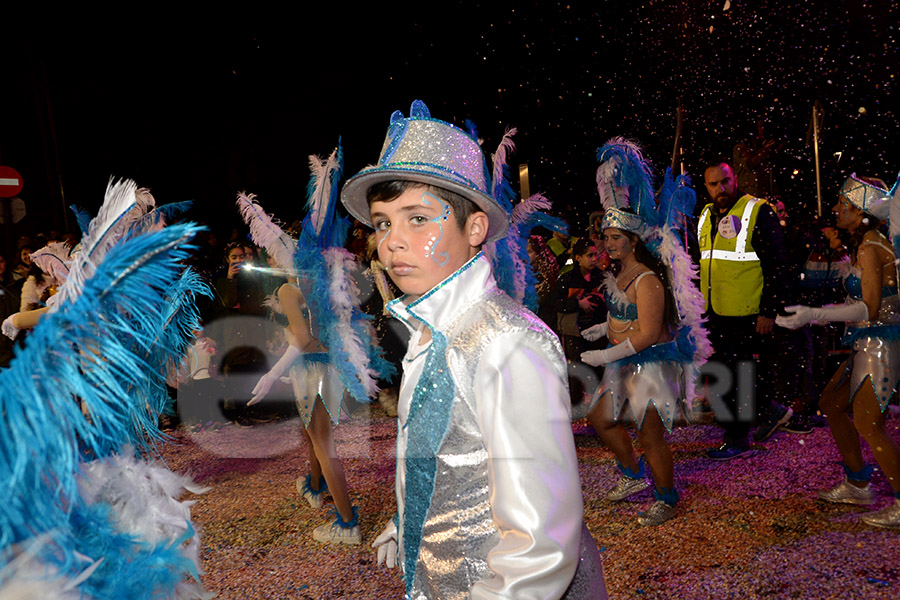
(488, 494)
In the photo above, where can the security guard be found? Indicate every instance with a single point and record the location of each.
(745, 281)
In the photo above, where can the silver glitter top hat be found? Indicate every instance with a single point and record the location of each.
(867, 197)
(432, 152)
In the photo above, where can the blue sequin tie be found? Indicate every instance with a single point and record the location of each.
(429, 419)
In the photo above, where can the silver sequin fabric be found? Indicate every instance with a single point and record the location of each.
(635, 387)
(874, 358)
(316, 380)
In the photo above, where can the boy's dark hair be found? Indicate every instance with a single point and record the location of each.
(387, 191)
(582, 245)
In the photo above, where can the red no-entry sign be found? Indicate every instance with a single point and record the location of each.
(10, 182)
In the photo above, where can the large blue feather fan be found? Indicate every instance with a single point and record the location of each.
(108, 350)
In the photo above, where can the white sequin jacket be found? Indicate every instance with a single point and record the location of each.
(504, 517)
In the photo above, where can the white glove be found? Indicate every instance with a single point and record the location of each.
(386, 543)
(266, 381)
(595, 358)
(802, 315)
(9, 328)
(594, 332)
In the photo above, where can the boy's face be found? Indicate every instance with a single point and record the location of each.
(419, 241)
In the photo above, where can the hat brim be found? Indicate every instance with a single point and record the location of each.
(353, 195)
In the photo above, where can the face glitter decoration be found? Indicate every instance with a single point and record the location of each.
(419, 240)
(439, 258)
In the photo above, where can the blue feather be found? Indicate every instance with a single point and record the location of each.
(82, 218)
(105, 350)
(634, 173)
(676, 199)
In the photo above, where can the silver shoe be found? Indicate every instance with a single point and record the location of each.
(658, 513)
(626, 486)
(886, 518)
(847, 493)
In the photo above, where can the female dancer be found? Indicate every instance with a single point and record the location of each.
(648, 364)
(868, 378)
(318, 394)
(330, 342)
(641, 318)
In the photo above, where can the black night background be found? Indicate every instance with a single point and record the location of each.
(202, 108)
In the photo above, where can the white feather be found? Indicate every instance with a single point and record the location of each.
(122, 206)
(54, 260)
(321, 172)
(344, 295)
(611, 288)
(26, 577)
(266, 233)
(522, 211)
(688, 302)
(144, 497)
(506, 147)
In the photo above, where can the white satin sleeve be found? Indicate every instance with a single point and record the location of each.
(523, 410)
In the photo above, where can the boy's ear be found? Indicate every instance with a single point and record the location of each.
(477, 228)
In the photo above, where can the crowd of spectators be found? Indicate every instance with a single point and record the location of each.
(242, 330)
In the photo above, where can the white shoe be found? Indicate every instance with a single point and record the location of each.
(313, 497)
(337, 533)
(658, 513)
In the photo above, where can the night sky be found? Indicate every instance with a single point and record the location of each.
(202, 108)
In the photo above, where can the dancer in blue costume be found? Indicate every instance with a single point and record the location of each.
(653, 324)
(489, 499)
(331, 342)
(867, 380)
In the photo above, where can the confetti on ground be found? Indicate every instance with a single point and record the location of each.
(748, 528)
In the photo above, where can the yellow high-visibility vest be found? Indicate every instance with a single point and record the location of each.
(730, 274)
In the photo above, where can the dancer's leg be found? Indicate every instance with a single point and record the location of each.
(315, 469)
(322, 439)
(834, 404)
(869, 421)
(659, 455)
(612, 434)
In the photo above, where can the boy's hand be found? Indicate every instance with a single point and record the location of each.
(386, 543)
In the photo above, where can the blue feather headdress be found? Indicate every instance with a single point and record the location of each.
(325, 271)
(509, 255)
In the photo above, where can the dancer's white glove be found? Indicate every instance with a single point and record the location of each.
(386, 543)
(9, 328)
(802, 315)
(595, 358)
(266, 381)
(594, 332)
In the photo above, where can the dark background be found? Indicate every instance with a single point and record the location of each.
(202, 107)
